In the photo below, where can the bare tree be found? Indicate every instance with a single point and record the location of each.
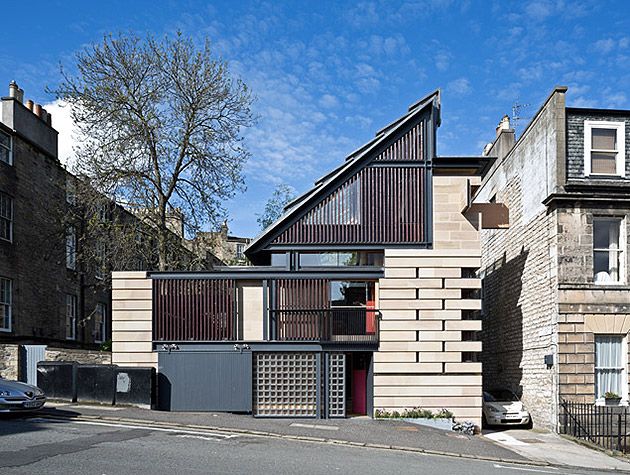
(281, 196)
(159, 126)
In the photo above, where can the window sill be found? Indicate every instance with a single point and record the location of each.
(593, 286)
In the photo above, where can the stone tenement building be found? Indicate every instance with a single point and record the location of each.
(43, 297)
(556, 284)
(47, 294)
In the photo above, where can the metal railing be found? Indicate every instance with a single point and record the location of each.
(605, 426)
(357, 325)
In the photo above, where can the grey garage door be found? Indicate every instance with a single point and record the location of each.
(205, 381)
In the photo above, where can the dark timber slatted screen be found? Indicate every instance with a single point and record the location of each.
(302, 295)
(378, 205)
(408, 147)
(194, 310)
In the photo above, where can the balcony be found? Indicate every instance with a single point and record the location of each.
(345, 325)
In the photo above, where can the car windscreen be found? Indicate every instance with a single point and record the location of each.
(502, 395)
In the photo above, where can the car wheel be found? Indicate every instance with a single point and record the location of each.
(484, 421)
(530, 423)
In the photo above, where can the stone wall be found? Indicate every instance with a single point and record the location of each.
(132, 320)
(519, 266)
(427, 353)
(9, 363)
(10, 358)
(35, 260)
(78, 355)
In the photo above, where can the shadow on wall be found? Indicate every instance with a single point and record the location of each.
(502, 333)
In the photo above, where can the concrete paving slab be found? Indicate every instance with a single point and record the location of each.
(551, 448)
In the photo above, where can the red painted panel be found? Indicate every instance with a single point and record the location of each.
(359, 391)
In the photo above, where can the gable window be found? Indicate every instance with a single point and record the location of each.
(5, 304)
(342, 207)
(71, 317)
(239, 251)
(607, 251)
(6, 217)
(71, 248)
(6, 152)
(604, 148)
(99, 323)
(610, 371)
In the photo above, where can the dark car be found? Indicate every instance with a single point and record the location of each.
(16, 397)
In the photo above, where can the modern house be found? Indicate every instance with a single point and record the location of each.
(556, 310)
(364, 295)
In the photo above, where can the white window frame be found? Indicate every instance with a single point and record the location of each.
(8, 218)
(71, 248)
(240, 247)
(620, 127)
(10, 148)
(7, 304)
(99, 326)
(71, 317)
(624, 370)
(621, 247)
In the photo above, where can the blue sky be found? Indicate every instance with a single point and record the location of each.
(327, 75)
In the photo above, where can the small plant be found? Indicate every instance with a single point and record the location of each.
(415, 413)
(106, 346)
(611, 395)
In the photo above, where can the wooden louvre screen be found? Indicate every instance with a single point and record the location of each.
(378, 205)
(194, 310)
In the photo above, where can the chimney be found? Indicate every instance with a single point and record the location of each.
(37, 110)
(29, 105)
(13, 89)
(49, 119)
(504, 124)
(44, 115)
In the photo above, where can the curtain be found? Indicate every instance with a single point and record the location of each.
(613, 253)
(608, 365)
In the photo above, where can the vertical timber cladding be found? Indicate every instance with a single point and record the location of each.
(285, 384)
(379, 204)
(294, 294)
(430, 315)
(194, 309)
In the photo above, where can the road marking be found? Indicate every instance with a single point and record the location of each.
(200, 437)
(523, 469)
(503, 438)
(313, 426)
(217, 435)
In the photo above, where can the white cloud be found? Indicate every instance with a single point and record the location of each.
(605, 45)
(328, 101)
(459, 87)
(62, 123)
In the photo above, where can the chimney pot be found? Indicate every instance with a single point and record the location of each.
(504, 124)
(37, 110)
(20, 95)
(13, 89)
(44, 115)
(49, 119)
(29, 105)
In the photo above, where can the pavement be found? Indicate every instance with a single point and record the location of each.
(509, 446)
(68, 446)
(554, 449)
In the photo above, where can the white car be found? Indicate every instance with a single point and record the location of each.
(503, 407)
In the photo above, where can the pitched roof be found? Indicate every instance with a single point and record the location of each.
(354, 158)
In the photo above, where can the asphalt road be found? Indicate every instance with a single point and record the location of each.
(38, 445)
